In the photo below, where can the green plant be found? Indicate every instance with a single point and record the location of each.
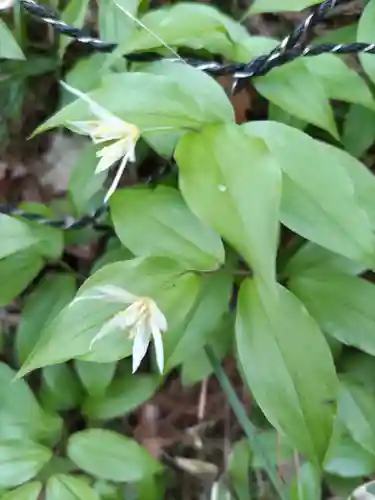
(279, 211)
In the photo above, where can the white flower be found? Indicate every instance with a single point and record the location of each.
(6, 4)
(142, 319)
(122, 136)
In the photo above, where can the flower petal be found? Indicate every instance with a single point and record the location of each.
(111, 154)
(113, 324)
(116, 293)
(140, 344)
(159, 349)
(157, 318)
(116, 180)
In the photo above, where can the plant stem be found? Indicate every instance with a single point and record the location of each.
(247, 426)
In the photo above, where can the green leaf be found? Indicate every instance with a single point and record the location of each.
(360, 368)
(15, 236)
(69, 335)
(20, 461)
(260, 6)
(204, 317)
(16, 272)
(185, 25)
(312, 257)
(362, 178)
(49, 241)
(346, 458)
(65, 487)
(158, 222)
(339, 81)
(95, 377)
(60, 388)
(122, 396)
(109, 455)
(47, 299)
(365, 34)
(20, 414)
(152, 101)
(196, 367)
(294, 395)
(342, 305)
(114, 25)
(307, 484)
(240, 203)
(358, 130)
(74, 15)
(318, 199)
(9, 48)
(29, 491)
(84, 183)
(299, 92)
(356, 412)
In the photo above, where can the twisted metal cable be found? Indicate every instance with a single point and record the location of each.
(289, 49)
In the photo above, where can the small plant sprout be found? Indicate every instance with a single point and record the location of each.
(142, 319)
(107, 128)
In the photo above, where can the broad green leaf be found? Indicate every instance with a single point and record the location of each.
(343, 305)
(20, 461)
(158, 222)
(318, 198)
(296, 90)
(346, 458)
(16, 272)
(151, 101)
(306, 485)
(9, 49)
(292, 385)
(187, 24)
(360, 368)
(275, 446)
(260, 6)
(95, 377)
(49, 241)
(15, 236)
(210, 95)
(69, 335)
(122, 396)
(312, 257)
(52, 293)
(292, 87)
(65, 487)
(20, 414)
(114, 24)
(196, 367)
(365, 34)
(358, 130)
(356, 412)
(344, 34)
(361, 177)
(204, 317)
(60, 389)
(84, 183)
(238, 195)
(74, 14)
(339, 81)
(29, 491)
(109, 455)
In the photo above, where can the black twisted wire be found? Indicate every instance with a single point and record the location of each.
(289, 49)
